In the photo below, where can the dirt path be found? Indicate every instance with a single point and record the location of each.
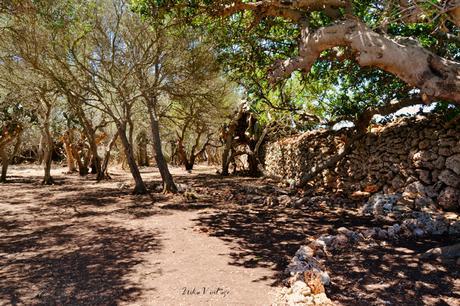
(82, 243)
(193, 268)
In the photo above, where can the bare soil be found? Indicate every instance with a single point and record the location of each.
(79, 242)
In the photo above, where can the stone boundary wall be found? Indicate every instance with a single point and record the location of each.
(417, 157)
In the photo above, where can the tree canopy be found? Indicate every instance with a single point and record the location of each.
(356, 58)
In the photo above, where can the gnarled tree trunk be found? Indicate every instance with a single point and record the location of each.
(90, 134)
(228, 136)
(96, 159)
(6, 154)
(108, 150)
(188, 160)
(139, 187)
(67, 139)
(41, 150)
(435, 76)
(168, 182)
(47, 154)
(142, 157)
(182, 154)
(5, 163)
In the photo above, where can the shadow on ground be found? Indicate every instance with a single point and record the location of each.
(59, 244)
(393, 274)
(66, 244)
(377, 274)
(80, 263)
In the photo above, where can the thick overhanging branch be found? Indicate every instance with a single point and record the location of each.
(436, 77)
(393, 106)
(309, 5)
(389, 108)
(289, 9)
(261, 8)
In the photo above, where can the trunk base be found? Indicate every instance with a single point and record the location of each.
(103, 176)
(140, 190)
(48, 181)
(83, 171)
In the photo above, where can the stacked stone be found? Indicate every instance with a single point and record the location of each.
(291, 157)
(411, 223)
(307, 278)
(418, 157)
(307, 273)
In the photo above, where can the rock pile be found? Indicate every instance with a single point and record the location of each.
(307, 278)
(417, 157)
(411, 223)
(307, 274)
(380, 204)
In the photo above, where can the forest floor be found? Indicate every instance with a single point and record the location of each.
(87, 243)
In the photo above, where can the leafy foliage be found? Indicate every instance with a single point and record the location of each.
(336, 87)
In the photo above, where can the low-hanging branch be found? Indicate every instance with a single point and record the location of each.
(437, 78)
(292, 9)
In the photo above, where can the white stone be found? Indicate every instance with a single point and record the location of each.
(343, 230)
(327, 239)
(296, 298)
(321, 299)
(306, 291)
(325, 278)
(304, 252)
(299, 286)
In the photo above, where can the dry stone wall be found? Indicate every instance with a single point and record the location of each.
(418, 158)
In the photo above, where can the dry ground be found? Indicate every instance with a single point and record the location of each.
(79, 242)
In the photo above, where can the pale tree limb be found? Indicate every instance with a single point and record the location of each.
(388, 108)
(294, 9)
(435, 76)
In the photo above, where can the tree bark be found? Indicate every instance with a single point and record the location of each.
(142, 157)
(362, 122)
(108, 150)
(435, 76)
(90, 134)
(182, 154)
(139, 187)
(47, 138)
(5, 163)
(253, 154)
(41, 150)
(193, 155)
(229, 136)
(47, 156)
(226, 156)
(168, 182)
(7, 157)
(82, 167)
(96, 159)
(67, 139)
